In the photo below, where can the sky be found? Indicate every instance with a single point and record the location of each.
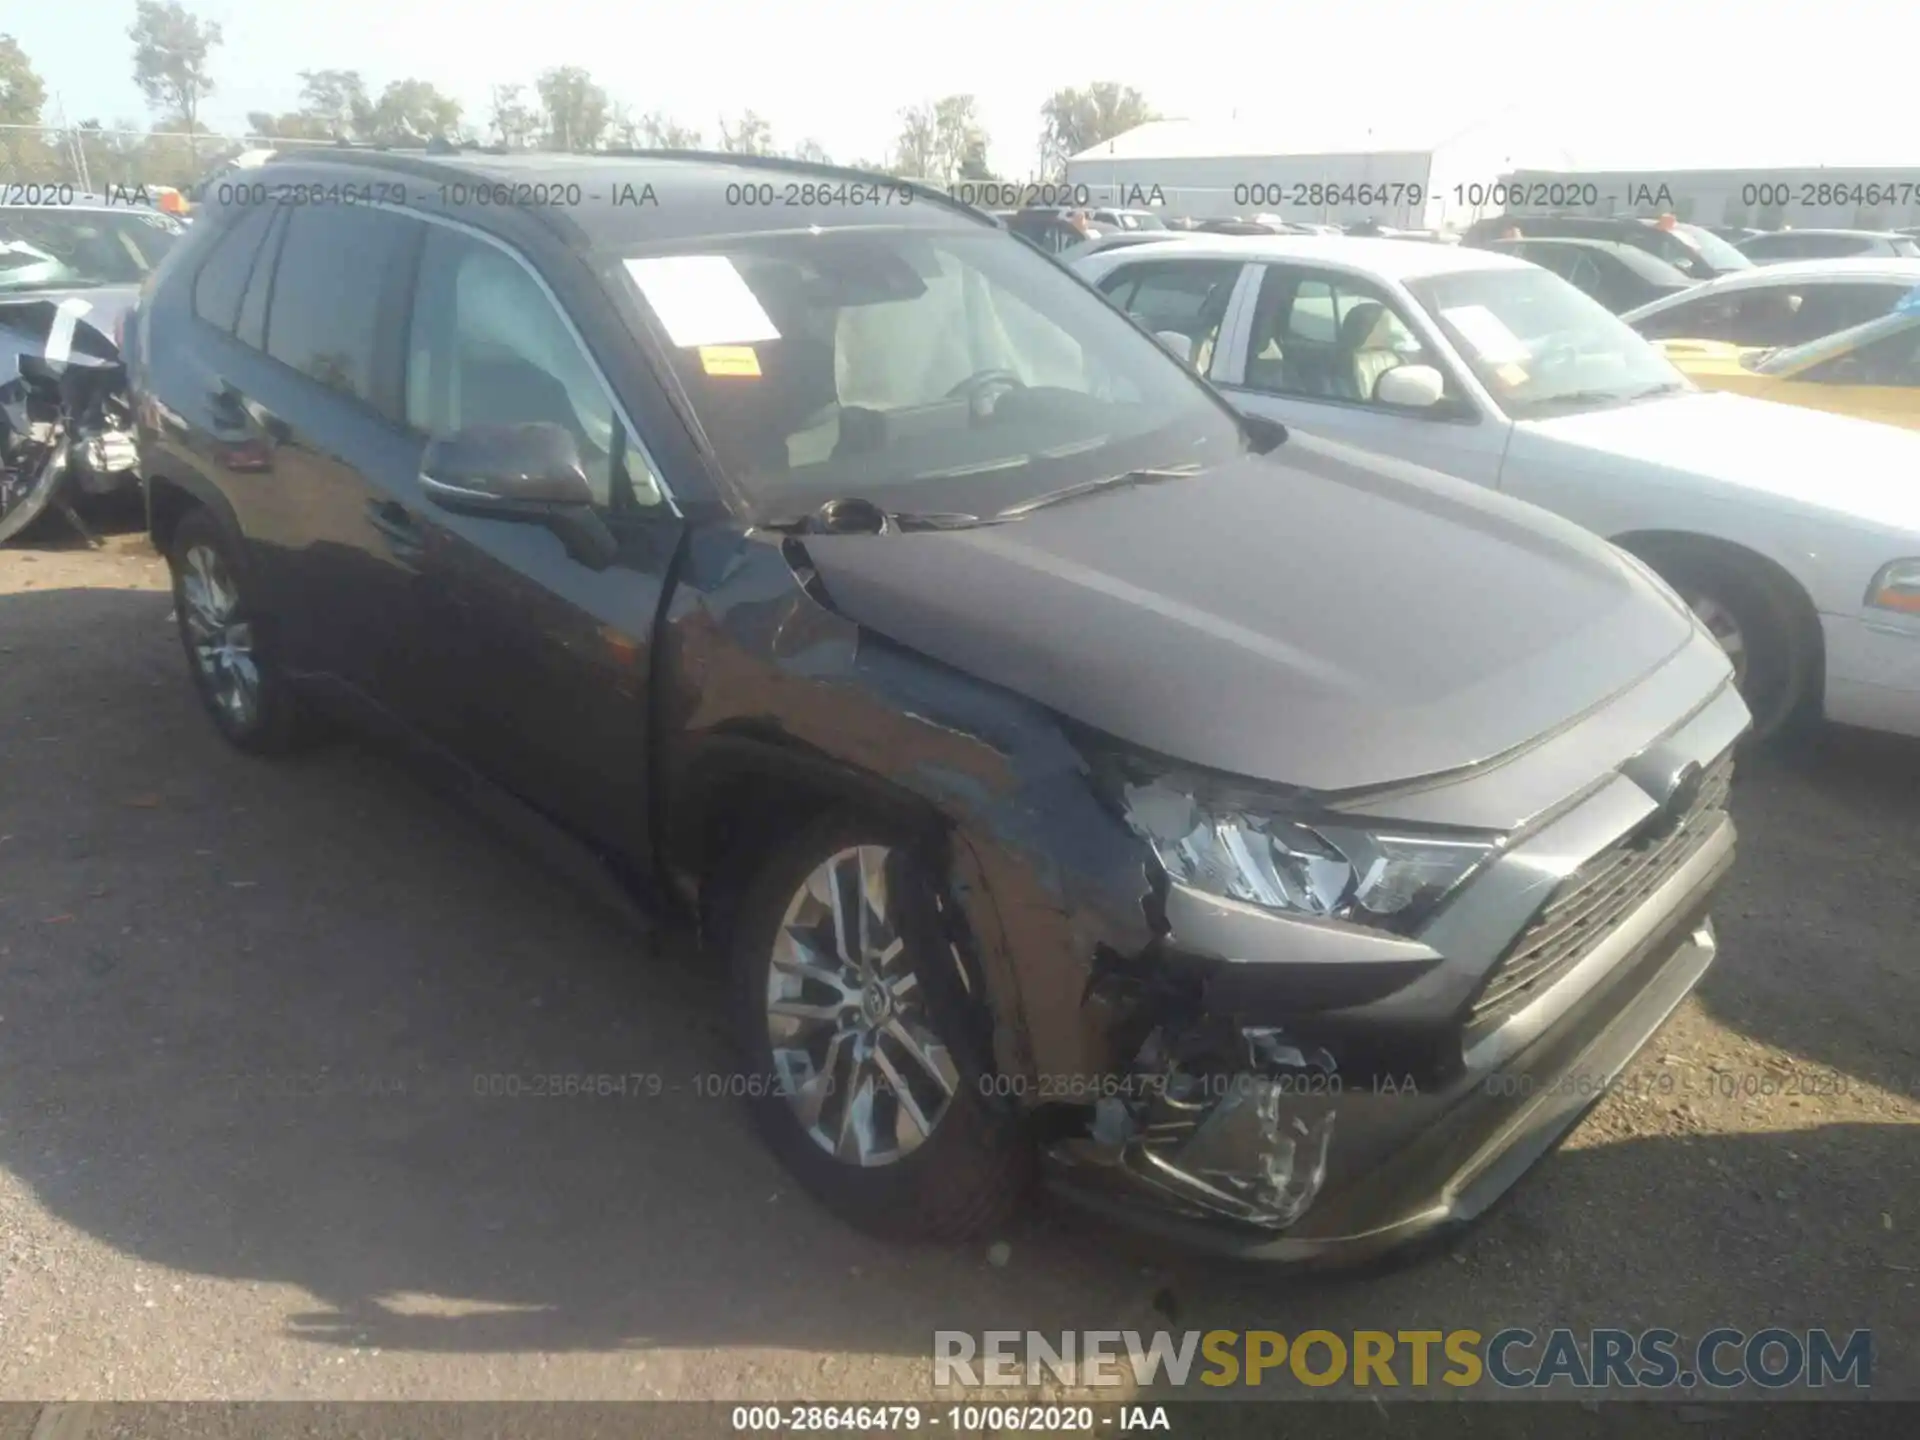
(1590, 77)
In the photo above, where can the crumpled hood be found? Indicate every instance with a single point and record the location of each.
(1785, 456)
(1319, 617)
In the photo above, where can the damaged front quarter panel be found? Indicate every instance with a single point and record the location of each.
(762, 677)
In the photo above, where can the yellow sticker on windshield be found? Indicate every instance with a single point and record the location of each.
(730, 360)
(1512, 376)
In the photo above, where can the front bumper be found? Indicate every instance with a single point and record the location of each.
(1403, 1165)
(1873, 674)
(1274, 1118)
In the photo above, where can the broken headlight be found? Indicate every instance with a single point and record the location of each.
(1385, 878)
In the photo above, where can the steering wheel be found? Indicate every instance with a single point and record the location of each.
(983, 380)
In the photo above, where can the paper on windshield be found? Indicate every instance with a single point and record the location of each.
(702, 300)
(60, 337)
(1487, 333)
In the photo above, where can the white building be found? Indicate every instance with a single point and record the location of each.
(1310, 172)
(1710, 174)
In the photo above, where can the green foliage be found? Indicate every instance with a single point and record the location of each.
(575, 111)
(171, 51)
(1075, 120)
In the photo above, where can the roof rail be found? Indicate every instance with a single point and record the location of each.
(424, 156)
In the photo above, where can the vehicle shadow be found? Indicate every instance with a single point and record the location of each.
(1815, 919)
(291, 1023)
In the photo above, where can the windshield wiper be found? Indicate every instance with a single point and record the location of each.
(1121, 481)
(851, 515)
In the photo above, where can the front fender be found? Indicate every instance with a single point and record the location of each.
(757, 670)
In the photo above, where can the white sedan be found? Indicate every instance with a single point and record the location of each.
(1794, 534)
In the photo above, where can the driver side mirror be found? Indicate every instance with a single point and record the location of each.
(529, 473)
(1412, 387)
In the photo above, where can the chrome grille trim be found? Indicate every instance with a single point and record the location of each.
(1593, 900)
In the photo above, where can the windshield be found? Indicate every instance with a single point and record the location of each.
(1717, 252)
(956, 372)
(1540, 346)
(89, 247)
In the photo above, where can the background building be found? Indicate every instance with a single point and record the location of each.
(1312, 172)
(1308, 171)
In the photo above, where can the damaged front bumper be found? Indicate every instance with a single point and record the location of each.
(66, 426)
(1253, 1125)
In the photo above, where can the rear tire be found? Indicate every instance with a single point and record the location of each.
(824, 1086)
(229, 653)
(1757, 623)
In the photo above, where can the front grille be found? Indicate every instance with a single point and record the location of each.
(1595, 898)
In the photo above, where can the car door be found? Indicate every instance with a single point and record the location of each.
(1827, 309)
(329, 402)
(541, 663)
(1879, 381)
(1188, 298)
(1315, 345)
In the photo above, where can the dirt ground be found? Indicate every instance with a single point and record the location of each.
(245, 1008)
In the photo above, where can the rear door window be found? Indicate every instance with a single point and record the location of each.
(252, 328)
(324, 319)
(224, 273)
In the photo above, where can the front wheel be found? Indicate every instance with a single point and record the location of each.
(859, 1019)
(1756, 625)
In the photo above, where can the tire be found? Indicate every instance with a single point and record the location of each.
(268, 718)
(1753, 616)
(974, 1165)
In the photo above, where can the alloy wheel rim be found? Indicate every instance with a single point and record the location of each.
(221, 640)
(854, 1048)
(1726, 631)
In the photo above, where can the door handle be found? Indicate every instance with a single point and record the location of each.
(396, 522)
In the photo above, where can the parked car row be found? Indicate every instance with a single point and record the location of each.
(1783, 529)
(1089, 761)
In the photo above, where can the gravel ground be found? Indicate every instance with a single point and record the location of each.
(243, 1007)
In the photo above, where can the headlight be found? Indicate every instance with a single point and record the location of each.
(1381, 878)
(1896, 587)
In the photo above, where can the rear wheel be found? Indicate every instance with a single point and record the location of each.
(233, 669)
(857, 1019)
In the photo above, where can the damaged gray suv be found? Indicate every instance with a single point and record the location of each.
(1261, 841)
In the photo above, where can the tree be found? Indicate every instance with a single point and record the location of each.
(23, 153)
(918, 143)
(957, 133)
(973, 165)
(936, 139)
(512, 122)
(752, 136)
(335, 103)
(170, 52)
(296, 125)
(812, 150)
(660, 133)
(576, 109)
(411, 112)
(1075, 120)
